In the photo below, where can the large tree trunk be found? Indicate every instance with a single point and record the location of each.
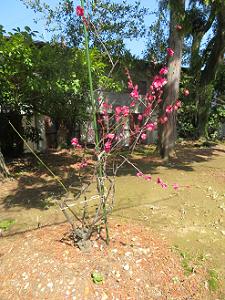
(4, 172)
(167, 131)
(208, 75)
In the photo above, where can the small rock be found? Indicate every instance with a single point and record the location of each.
(117, 274)
(126, 267)
(104, 296)
(26, 285)
(50, 285)
(138, 261)
(114, 250)
(95, 245)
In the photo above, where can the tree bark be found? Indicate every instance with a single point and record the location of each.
(208, 75)
(4, 172)
(167, 131)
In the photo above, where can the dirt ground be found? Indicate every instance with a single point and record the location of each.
(166, 244)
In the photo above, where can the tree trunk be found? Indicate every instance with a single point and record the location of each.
(208, 75)
(167, 131)
(4, 172)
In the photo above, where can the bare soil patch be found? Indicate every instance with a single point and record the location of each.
(136, 265)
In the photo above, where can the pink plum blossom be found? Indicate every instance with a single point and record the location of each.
(159, 100)
(140, 117)
(75, 143)
(176, 186)
(150, 97)
(150, 126)
(159, 180)
(144, 136)
(139, 174)
(170, 52)
(125, 111)
(110, 136)
(163, 71)
(177, 105)
(132, 104)
(147, 110)
(118, 110)
(83, 164)
(134, 94)
(169, 109)
(107, 146)
(148, 177)
(163, 185)
(130, 85)
(186, 92)
(80, 11)
(159, 82)
(163, 120)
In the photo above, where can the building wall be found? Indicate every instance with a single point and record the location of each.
(38, 122)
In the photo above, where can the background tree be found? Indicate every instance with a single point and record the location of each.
(203, 53)
(109, 22)
(206, 59)
(44, 78)
(167, 130)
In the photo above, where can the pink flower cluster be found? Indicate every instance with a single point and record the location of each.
(75, 143)
(169, 109)
(105, 110)
(146, 177)
(134, 94)
(158, 181)
(159, 82)
(121, 111)
(108, 144)
(151, 126)
(163, 71)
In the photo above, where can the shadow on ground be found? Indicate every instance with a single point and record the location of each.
(35, 188)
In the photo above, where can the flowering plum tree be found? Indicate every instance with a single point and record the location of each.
(110, 129)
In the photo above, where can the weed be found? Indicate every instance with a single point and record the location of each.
(97, 278)
(6, 224)
(213, 280)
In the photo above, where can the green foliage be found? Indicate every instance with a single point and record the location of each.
(6, 224)
(186, 121)
(187, 115)
(217, 117)
(48, 78)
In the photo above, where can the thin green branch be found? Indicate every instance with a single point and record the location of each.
(39, 159)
